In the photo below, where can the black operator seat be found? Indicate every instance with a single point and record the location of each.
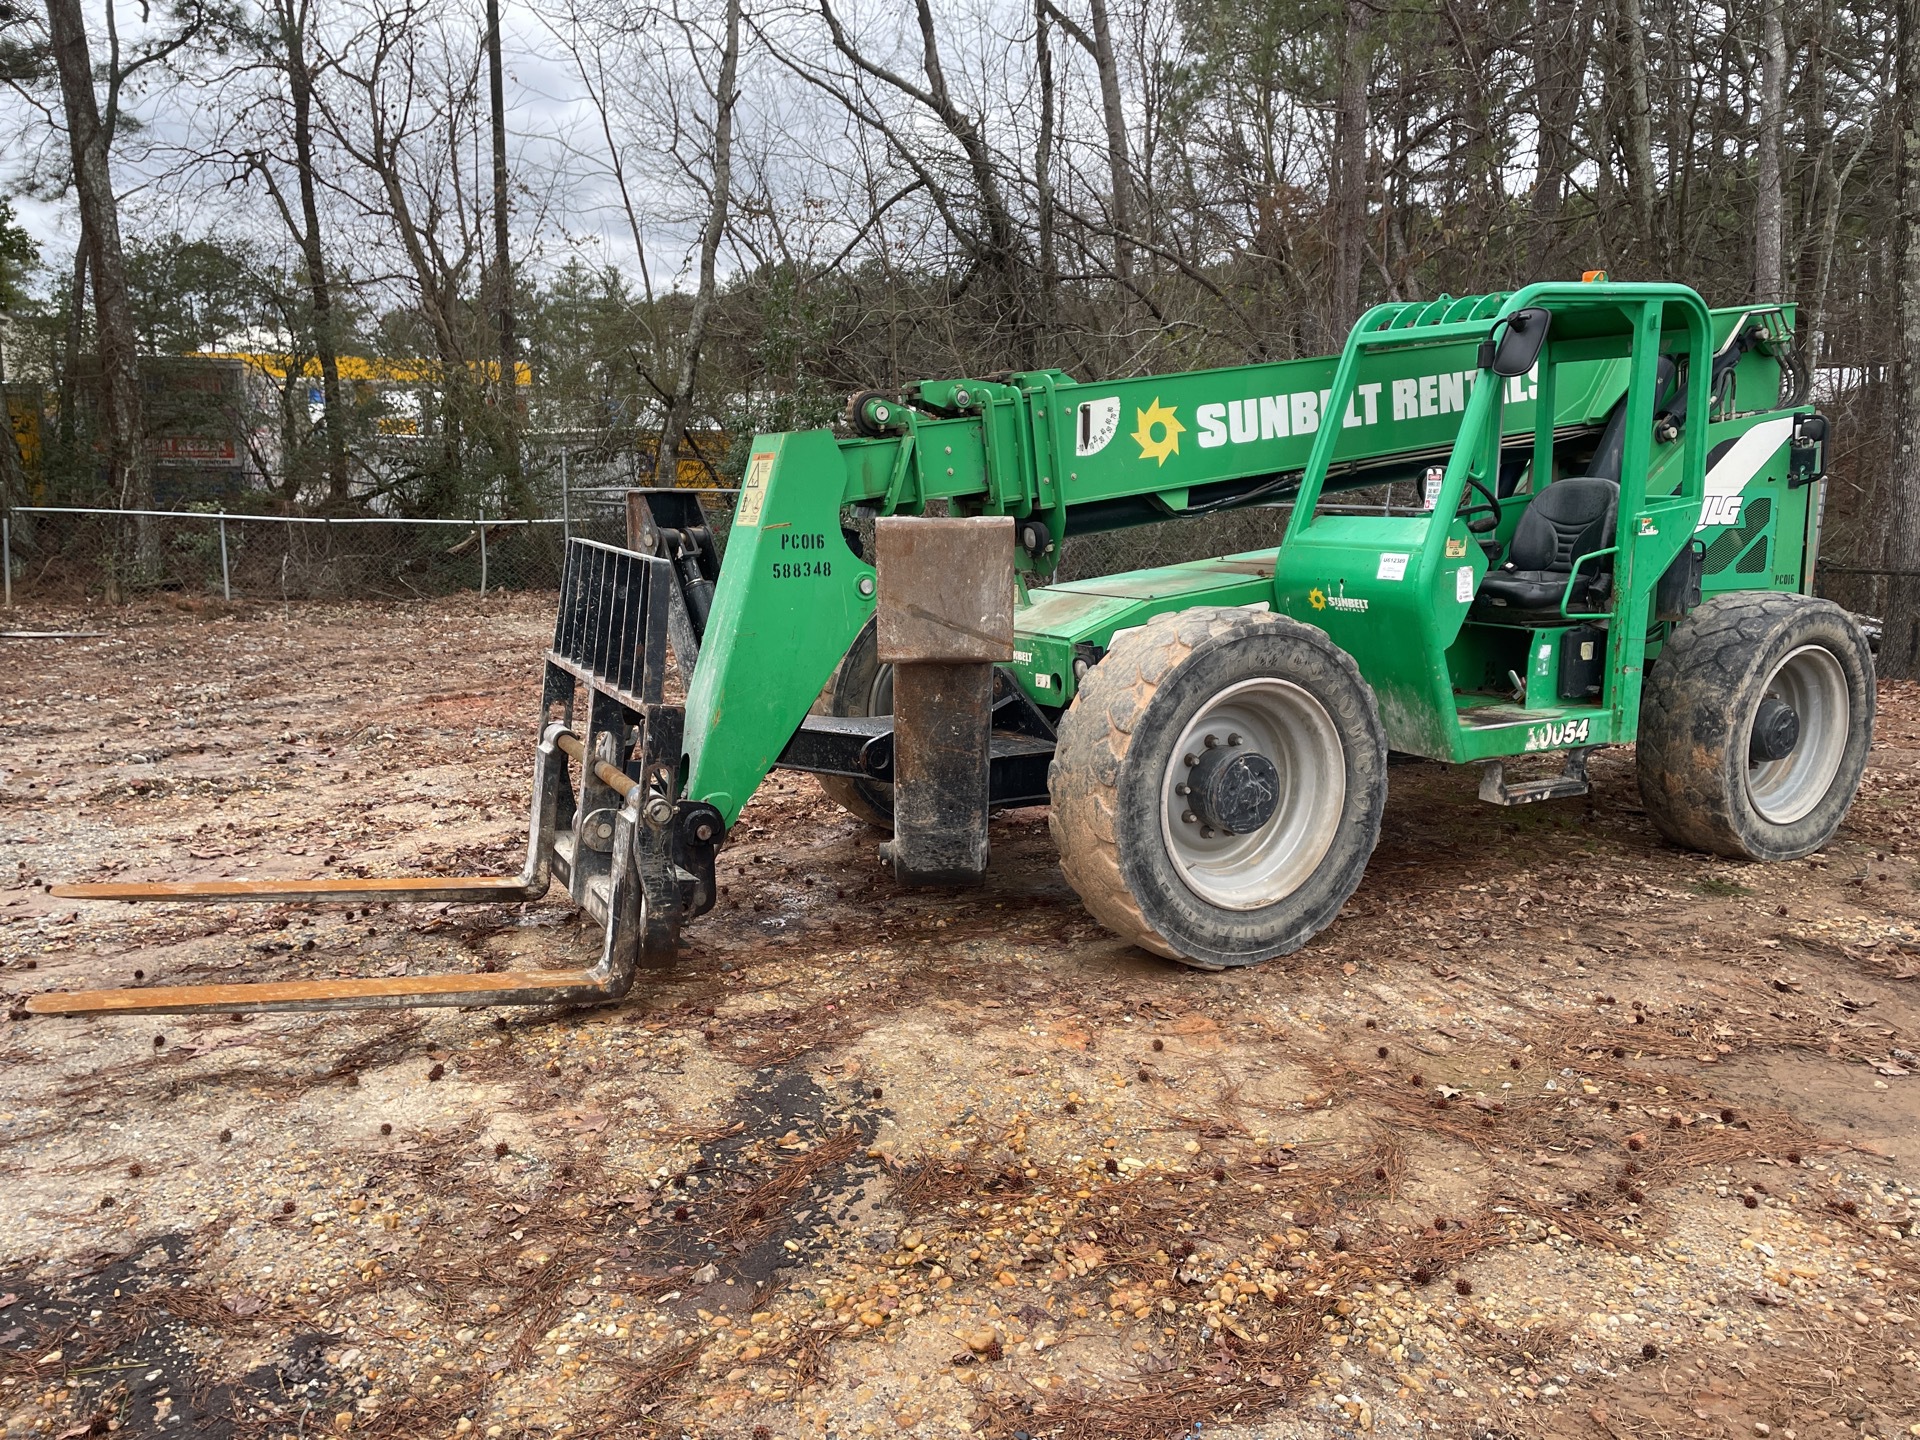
(1573, 516)
(1570, 518)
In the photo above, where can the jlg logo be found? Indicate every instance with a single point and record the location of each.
(1720, 510)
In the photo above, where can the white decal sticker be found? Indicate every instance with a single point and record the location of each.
(1463, 584)
(1430, 488)
(1727, 480)
(1321, 600)
(1099, 423)
(1392, 567)
(1552, 737)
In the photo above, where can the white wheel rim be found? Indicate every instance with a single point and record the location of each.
(1289, 727)
(1811, 682)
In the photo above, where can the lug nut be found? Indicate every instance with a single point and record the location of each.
(1233, 739)
(1211, 741)
(1188, 817)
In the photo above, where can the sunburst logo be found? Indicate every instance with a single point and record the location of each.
(1158, 417)
(1317, 598)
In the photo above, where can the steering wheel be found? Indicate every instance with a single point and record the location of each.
(1482, 515)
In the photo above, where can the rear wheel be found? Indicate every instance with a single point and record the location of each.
(1755, 726)
(1218, 785)
(861, 686)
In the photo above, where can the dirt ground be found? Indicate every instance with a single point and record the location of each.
(1557, 1131)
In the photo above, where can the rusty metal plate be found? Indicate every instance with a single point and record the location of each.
(526, 987)
(946, 589)
(472, 889)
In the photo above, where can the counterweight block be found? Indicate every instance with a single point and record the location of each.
(945, 620)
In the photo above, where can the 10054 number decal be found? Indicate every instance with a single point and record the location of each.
(1552, 737)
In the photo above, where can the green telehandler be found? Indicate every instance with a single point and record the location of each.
(1520, 525)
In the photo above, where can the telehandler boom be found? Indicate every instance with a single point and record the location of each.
(1519, 524)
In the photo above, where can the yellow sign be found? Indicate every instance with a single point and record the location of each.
(1455, 548)
(23, 416)
(753, 491)
(1160, 417)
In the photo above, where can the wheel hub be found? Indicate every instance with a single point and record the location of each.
(1799, 735)
(1776, 730)
(1252, 793)
(1232, 789)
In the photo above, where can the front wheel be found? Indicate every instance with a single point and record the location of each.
(861, 685)
(1755, 726)
(1218, 785)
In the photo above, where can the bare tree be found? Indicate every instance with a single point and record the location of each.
(1349, 179)
(401, 100)
(507, 390)
(1561, 40)
(1096, 38)
(1769, 210)
(1631, 34)
(285, 52)
(680, 405)
(129, 468)
(1900, 644)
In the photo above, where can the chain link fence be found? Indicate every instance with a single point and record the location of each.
(71, 553)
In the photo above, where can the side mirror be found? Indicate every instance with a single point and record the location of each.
(1519, 345)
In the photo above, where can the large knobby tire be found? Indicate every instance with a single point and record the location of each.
(1755, 726)
(860, 686)
(1184, 701)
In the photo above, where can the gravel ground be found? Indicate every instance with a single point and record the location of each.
(1557, 1131)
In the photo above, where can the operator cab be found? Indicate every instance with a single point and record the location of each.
(1564, 522)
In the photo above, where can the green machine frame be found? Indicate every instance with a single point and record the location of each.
(1411, 391)
(1718, 463)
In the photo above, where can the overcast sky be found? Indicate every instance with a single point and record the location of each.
(556, 146)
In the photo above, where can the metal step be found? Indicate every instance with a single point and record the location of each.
(1571, 781)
